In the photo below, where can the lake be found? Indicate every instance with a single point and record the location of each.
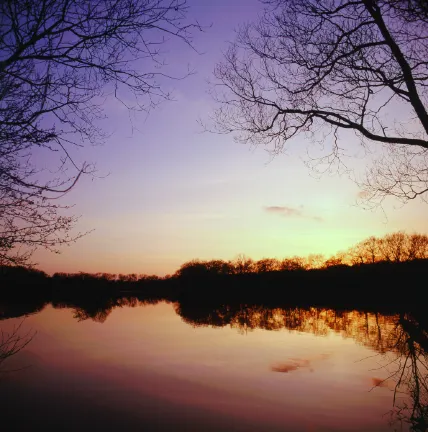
(138, 366)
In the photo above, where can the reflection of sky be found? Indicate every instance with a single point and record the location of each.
(174, 193)
(146, 362)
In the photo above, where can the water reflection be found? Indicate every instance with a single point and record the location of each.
(99, 312)
(410, 372)
(399, 339)
(12, 343)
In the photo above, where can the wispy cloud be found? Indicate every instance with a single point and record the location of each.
(292, 365)
(286, 211)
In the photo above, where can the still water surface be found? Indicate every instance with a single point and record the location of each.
(146, 368)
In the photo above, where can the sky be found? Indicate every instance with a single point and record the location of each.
(166, 191)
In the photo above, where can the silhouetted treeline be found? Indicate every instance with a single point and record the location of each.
(396, 247)
(382, 286)
(383, 274)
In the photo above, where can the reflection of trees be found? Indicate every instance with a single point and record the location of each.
(98, 309)
(13, 309)
(12, 342)
(402, 336)
(410, 372)
(371, 329)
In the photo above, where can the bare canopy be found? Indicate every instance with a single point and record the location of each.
(325, 67)
(59, 60)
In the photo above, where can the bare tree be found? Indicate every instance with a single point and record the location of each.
(393, 247)
(267, 265)
(366, 251)
(59, 61)
(324, 68)
(243, 264)
(294, 263)
(315, 261)
(417, 246)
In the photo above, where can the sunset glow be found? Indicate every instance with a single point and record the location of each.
(213, 215)
(166, 191)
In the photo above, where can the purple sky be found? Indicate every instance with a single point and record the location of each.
(174, 193)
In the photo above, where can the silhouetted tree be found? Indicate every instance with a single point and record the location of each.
(133, 277)
(243, 264)
(266, 265)
(145, 278)
(219, 267)
(294, 263)
(59, 60)
(417, 247)
(194, 268)
(198, 268)
(335, 260)
(366, 251)
(394, 247)
(315, 261)
(110, 277)
(321, 68)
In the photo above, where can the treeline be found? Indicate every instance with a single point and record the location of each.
(397, 247)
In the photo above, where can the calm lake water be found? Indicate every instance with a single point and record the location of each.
(153, 367)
